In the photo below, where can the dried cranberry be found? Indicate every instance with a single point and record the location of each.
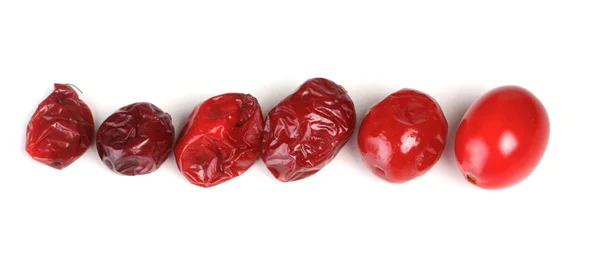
(61, 129)
(307, 129)
(220, 139)
(136, 139)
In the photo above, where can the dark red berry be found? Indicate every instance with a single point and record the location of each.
(307, 129)
(136, 139)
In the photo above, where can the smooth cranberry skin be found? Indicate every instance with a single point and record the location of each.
(220, 139)
(61, 129)
(502, 138)
(307, 129)
(403, 136)
(136, 139)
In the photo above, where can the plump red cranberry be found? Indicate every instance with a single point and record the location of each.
(403, 136)
(502, 138)
(307, 129)
(61, 129)
(220, 139)
(136, 139)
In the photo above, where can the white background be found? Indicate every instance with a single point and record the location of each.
(343, 219)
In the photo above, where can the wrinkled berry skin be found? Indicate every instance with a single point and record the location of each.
(502, 138)
(220, 139)
(403, 136)
(136, 139)
(61, 129)
(307, 129)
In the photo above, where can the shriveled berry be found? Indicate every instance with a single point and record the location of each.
(220, 139)
(136, 139)
(307, 129)
(403, 136)
(61, 129)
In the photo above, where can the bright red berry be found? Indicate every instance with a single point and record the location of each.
(403, 136)
(220, 139)
(502, 138)
(61, 129)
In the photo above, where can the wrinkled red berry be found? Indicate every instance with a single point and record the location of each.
(61, 129)
(136, 139)
(220, 139)
(403, 136)
(307, 129)
(502, 138)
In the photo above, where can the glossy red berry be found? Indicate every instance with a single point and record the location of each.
(61, 129)
(136, 139)
(502, 138)
(307, 129)
(403, 136)
(220, 139)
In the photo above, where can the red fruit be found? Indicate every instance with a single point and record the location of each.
(220, 139)
(61, 129)
(502, 138)
(136, 139)
(307, 129)
(403, 136)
